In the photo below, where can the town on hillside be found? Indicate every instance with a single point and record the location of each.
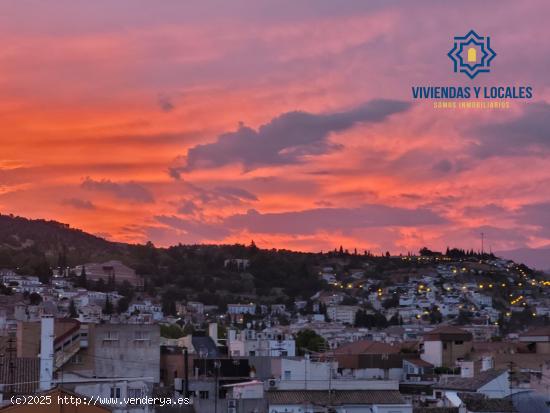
(434, 332)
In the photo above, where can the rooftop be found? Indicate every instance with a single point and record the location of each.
(448, 333)
(470, 383)
(22, 374)
(337, 397)
(366, 347)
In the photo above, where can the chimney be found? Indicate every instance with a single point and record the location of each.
(213, 332)
(466, 368)
(487, 363)
(46, 352)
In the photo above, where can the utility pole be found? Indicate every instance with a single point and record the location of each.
(217, 365)
(482, 242)
(11, 367)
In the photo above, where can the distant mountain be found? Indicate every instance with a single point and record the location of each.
(17, 232)
(23, 239)
(538, 258)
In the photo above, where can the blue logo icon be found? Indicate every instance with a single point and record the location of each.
(472, 54)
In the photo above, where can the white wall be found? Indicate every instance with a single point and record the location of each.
(382, 408)
(433, 353)
(295, 408)
(393, 374)
(498, 388)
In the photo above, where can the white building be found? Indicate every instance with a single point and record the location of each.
(238, 309)
(492, 383)
(266, 343)
(146, 307)
(303, 387)
(342, 313)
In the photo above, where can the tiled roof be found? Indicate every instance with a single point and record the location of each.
(367, 347)
(448, 333)
(337, 397)
(205, 343)
(469, 383)
(420, 363)
(21, 375)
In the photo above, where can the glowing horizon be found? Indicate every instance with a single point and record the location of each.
(290, 124)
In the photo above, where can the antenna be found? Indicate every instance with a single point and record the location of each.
(482, 241)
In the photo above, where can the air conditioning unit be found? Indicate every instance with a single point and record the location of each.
(272, 383)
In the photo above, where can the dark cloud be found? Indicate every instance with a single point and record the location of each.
(412, 197)
(497, 235)
(534, 257)
(527, 134)
(489, 210)
(125, 190)
(332, 219)
(286, 139)
(536, 214)
(238, 193)
(443, 166)
(220, 195)
(165, 103)
(79, 203)
(200, 230)
(188, 207)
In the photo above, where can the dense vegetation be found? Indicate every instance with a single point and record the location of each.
(201, 273)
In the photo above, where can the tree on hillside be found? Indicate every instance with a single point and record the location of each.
(171, 331)
(72, 310)
(309, 340)
(108, 308)
(35, 298)
(41, 269)
(122, 305)
(82, 281)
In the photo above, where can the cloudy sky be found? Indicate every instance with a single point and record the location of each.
(288, 122)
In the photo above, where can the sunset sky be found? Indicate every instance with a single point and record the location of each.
(288, 122)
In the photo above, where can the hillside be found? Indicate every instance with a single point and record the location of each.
(203, 272)
(25, 243)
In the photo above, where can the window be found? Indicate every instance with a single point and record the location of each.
(110, 339)
(284, 353)
(458, 342)
(76, 359)
(252, 353)
(115, 392)
(287, 375)
(141, 338)
(141, 335)
(203, 394)
(135, 393)
(111, 335)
